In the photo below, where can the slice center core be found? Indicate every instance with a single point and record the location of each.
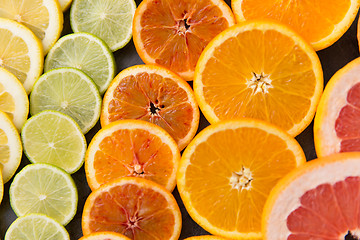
(183, 26)
(241, 180)
(259, 83)
(153, 109)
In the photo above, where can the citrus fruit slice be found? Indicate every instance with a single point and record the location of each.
(205, 237)
(86, 52)
(69, 91)
(174, 33)
(44, 188)
(36, 227)
(65, 4)
(317, 201)
(109, 20)
(55, 138)
(153, 94)
(10, 147)
(228, 170)
(320, 22)
(336, 126)
(135, 207)
(43, 17)
(105, 236)
(279, 79)
(13, 98)
(1, 187)
(132, 148)
(20, 52)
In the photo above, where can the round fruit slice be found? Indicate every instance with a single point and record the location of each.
(109, 20)
(132, 148)
(227, 172)
(65, 4)
(36, 227)
(156, 95)
(317, 201)
(174, 33)
(96, 59)
(320, 22)
(69, 91)
(55, 138)
(262, 70)
(43, 17)
(336, 126)
(43, 188)
(134, 207)
(105, 236)
(10, 147)
(205, 237)
(13, 98)
(1, 187)
(21, 52)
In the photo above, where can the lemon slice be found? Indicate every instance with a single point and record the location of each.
(36, 227)
(1, 187)
(20, 52)
(43, 17)
(65, 4)
(13, 98)
(10, 147)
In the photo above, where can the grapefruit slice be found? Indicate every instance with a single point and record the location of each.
(174, 33)
(156, 95)
(105, 236)
(337, 124)
(137, 208)
(319, 200)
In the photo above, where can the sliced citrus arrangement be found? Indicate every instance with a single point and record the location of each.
(44, 188)
(43, 17)
(317, 201)
(132, 148)
(135, 207)
(109, 20)
(36, 227)
(174, 33)
(262, 70)
(105, 236)
(320, 22)
(228, 170)
(10, 147)
(13, 98)
(336, 125)
(156, 95)
(21, 52)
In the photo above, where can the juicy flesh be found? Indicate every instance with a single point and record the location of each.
(155, 99)
(348, 122)
(328, 212)
(252, 157)
(133, 153)
(4, 148)
(174, 33)
(139, 213)
(7, 102)
(300, 15)
(262, 75)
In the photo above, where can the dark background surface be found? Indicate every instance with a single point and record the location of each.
(332, 59)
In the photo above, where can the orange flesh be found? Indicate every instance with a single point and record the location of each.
(133, 153)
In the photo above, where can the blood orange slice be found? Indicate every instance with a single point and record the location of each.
(337, 121)
(105, 236)
(174, 33)
(137, 208)
(156, 95)
(132, 148)
(319, 200)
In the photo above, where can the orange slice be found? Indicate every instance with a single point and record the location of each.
(228, 170)
(205, 237)
(320, 200)
(132, 148)
(156, 95)
(134, 207)
(174, 33)
(320, 22)
(262, 70)
(336, 126)
(105, 236)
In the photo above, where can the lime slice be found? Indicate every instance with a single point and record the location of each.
(86, 52)
(55, 138)
(36, 227)
(109, 20)
(69, 91)
(43, 188)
